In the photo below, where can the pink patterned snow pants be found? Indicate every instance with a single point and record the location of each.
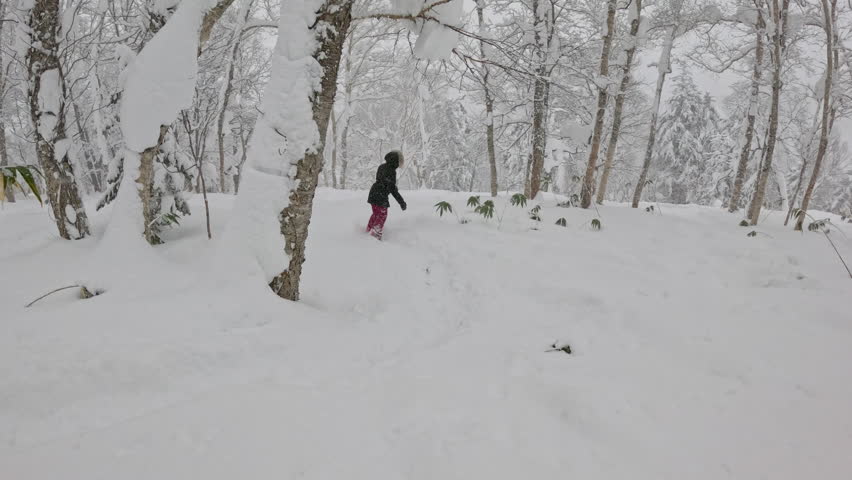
(377, 221)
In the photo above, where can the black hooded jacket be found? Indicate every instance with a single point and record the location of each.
(386, 183)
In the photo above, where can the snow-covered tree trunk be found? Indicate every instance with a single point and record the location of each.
(160, 84)
(46, 94)
(602, 82)
(4, 156)
(541, 94)
(489, 102)
(751, 114)
(779, 22)
(228, 88)
(618, 109)
(286, 152)
(663, 69)
(211, 12)
(330, 28)
(826, 111)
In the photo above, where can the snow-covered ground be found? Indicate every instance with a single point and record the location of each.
(698, 352)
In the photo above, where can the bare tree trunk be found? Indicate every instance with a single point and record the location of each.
(603, 77)
(779, 17)
(489, 103)
(619, 102)
(664, 68)
(296, 217)
(344, 155)
(539, 133)
(243, 156)
(93, 163)
(228, 90)
(541, 94)
(46, 92)
(424, 135)
(826, 108)
(334, 151)
(347, 115)
(800, 179)
(751, 115)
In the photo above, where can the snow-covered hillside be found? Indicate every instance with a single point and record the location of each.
(697, 352)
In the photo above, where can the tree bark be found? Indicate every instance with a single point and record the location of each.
(296, 217)
(664, 68)
(828, 17)
(751, 115)
(603, 77)
(779, 17)
(489, 103)
(541, 94)
(46, 93)
(619, 102)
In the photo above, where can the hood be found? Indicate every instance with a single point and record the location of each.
(394, 159)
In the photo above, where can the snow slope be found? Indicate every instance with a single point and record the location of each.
(698, 352)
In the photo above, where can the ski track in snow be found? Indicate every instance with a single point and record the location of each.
(698, 352)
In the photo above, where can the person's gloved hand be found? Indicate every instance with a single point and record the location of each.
(403, 206)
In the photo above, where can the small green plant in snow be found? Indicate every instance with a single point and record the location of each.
(518, 200)
(9, 177)
(443, 207)
(486, 209)
(535, 213)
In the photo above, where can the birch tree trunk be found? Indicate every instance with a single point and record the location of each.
(779, 19)
(618, 109)
(826, 108)
(489, 102)
(603, 85)
(541, 94)
(751, 115)
(46, 94)
(335, 17)
(664, 68)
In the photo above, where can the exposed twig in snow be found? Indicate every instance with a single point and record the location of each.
(54, 291)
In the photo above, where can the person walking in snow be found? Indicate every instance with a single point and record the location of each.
(385, 185)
